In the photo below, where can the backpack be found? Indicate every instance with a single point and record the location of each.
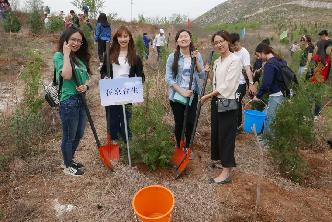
(288, 80)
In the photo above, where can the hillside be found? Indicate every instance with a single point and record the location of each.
(267, 11)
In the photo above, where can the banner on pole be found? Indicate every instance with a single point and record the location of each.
(121, 91)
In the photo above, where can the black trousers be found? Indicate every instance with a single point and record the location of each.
(242, 92)
(101, 49)
(178, 113)
(223, 133)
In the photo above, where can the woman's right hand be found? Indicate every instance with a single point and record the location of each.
(66, 48)
(186, 93)
(207, 68)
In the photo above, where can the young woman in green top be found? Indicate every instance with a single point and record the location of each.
(72, 44)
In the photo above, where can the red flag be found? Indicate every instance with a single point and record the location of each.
(188, 24)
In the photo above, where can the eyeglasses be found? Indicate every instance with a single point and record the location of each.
(219, 42)
(77, 41)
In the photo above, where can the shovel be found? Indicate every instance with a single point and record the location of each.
(104, 151)
(114, 149)
(185, 160)
(180, 152)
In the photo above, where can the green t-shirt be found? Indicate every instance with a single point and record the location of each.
(69, 86)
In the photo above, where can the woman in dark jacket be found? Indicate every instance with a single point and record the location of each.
(124, 63)
(271, 82)
(103, 34)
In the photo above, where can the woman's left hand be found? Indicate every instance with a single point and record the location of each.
(204, 99)
(82, 88)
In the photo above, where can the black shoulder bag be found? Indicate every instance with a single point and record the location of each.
(52, 91)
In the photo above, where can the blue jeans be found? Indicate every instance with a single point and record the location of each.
(73, 120)
(301, 70)
(115, 122)
(271, 110)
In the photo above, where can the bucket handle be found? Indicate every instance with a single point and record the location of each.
(250, 101)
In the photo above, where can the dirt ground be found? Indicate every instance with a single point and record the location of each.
(36, 189)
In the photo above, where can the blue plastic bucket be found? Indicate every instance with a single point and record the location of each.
(252, 117)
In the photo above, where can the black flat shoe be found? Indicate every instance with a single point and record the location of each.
(225, 181)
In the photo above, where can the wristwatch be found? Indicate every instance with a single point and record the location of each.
(251, 82)
(87, 87)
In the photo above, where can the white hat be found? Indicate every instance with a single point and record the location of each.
(161, 31)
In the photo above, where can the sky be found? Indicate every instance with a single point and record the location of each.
(149, 8)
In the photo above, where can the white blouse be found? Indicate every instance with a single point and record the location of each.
(121, 70)
(226, 75)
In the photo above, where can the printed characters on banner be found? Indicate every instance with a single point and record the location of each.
(121, 91)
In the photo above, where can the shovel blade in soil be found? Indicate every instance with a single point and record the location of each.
(105, 153)
(183, 164)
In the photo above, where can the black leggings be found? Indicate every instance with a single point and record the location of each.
(178, 113)
(101, 49)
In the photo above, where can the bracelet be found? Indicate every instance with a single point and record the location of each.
(87, 87)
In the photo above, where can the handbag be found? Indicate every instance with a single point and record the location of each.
(52, 91)
(225, 105)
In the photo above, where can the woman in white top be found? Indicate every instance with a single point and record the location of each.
(125, 63)
(227, 70)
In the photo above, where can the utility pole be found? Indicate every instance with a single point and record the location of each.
(131, 10)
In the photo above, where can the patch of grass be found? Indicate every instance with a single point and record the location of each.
(4, 161)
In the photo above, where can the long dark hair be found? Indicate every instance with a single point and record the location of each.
(266, 49)
(175, 65)
(307, 39)
(115, 48)
(83, 52)
(102, 19)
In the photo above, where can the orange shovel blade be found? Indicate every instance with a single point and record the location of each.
(113, 149)
(184, 163)
(105, 155)
(178, 154)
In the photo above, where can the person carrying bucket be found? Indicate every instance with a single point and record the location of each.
(178, 75)
(72, 44)
(124, 63)
(227, 70)
(270, 83)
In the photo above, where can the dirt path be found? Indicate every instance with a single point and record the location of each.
(39, 191)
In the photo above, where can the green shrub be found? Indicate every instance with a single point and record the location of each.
(151, 142)
(27, 123)
(35, 22)
(11, 23)
(88, 35)
(293, 128)
(140, 47)
(55, 24)
(164, 55)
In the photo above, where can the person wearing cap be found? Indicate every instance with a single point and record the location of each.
(74, 18)
(159, 42)
(323, 35)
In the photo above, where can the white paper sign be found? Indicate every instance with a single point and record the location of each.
(121, 91)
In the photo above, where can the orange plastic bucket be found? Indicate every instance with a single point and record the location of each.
(154, 204)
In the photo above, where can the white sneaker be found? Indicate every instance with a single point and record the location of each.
(72, 171)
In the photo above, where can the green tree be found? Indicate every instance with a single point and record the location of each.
(95, 6)
(11, 23)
